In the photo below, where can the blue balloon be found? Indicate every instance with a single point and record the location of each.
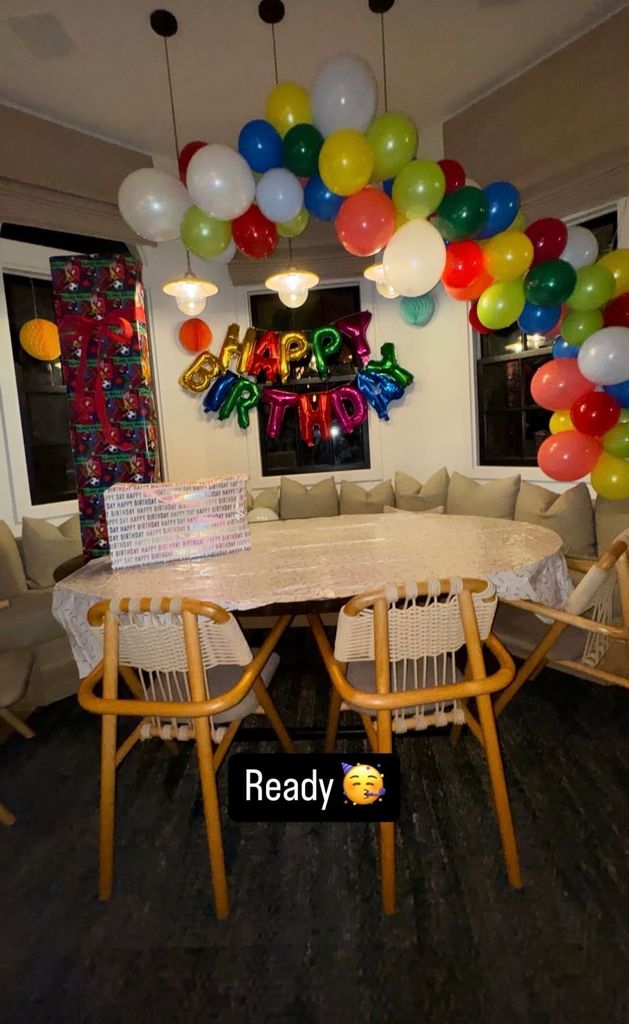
(387, 185)
(261, 145)
(620, 392)
(319, 201)
(219, 391)
(379, 390)
(539, 319)
(504, 202)
(562, 350)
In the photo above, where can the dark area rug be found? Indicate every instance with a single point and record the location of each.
(306, 940)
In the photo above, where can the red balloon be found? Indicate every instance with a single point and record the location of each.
(254, 234)
(472, 316)
(453, 173)
(616, 312)
(185, 156)
(474, 289)
(568, 455)
(558, 384)
(595, 414)
(464, 263)
(365, 222)
(549, 236)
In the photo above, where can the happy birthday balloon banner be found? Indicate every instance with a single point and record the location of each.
(269, 354)
(325, 154)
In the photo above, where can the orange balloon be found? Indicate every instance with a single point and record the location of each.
(195, 335)
(473, 290)
(40, 338)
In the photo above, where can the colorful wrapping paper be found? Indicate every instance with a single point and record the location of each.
(99, 308)
(152, 523)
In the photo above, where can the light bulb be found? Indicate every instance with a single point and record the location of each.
(386, 290)
(191, 306)
(293, 299)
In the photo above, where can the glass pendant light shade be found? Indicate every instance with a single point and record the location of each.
(190, 292)
(375, 273)
(292, 286)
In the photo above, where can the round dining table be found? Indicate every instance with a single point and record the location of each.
(311, 562)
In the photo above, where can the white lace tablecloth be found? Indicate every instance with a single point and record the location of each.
(323, 559)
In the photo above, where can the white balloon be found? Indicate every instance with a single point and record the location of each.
(220, 182)
(604, 356)
(414, 259)
(227, 255)
(279, 195)
(153, 203)
(581, 248)
(344, 94)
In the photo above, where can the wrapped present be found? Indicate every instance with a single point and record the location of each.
(150, 523)
(99, 308)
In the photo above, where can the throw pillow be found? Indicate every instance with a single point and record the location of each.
(46, 546)
(268, 498)
(300, 502)
(569, 514)
(412, 496)
(12, 576)
(611, 517)
(496, 499)
(358, 501)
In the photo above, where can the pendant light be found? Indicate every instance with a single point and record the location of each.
(375, 272)
(292, 285)
(190, 292)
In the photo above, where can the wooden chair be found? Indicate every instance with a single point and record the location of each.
(394, 661)
(578, 637)
(193, 677)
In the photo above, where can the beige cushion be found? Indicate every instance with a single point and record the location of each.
(299, 502)
(412, 496)
(521, 631)
(357, 500)
(569, 514)
(268, 498)
(611, 518)
(12, 575)
(15, 669)
(28, 620)
(439, 511)
(46, 546)
(496, 499)
(54, 674)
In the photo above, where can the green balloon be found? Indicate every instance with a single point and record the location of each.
(393, 138)
(419, 188)
(616, 440)
(462, 213)
(500, 305)
(301, 149)
(203, 235)
(294, 227)
(578, 326)
(550, 283)
(594, 288)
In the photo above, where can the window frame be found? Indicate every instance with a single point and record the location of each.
(28, 260)
(257, 479)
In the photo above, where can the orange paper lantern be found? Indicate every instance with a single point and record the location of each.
(40, 338)
(195, 335)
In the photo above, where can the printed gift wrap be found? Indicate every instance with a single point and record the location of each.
(99, 307)
(150, 523)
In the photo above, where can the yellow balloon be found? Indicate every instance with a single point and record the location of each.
(519, 222)
(346, 162)
(40, 338)
(508, 255)
(618, 263)
(288, 104)
(610, 478)
(400, 219)
(560, 421)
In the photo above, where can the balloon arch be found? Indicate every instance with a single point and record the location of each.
(325, 154)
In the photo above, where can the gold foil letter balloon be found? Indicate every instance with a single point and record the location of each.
(233, 347)
(200, 373)
(293, 346)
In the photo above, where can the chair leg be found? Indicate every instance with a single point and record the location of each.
(7, 817)
(534, 663)
(17, 723)
(387, 866)
(267, 704)
(499, 789)
(212, 811)
(107, 806)
(334, 712)
(455, 731)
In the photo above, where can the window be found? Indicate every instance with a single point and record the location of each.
(511, 426)
(288, 453)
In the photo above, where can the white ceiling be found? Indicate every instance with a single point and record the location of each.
(442, 55)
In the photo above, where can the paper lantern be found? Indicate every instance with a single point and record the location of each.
(40, 338)
(195, 335)
(417, 311)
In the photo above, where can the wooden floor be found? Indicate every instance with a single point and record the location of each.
(306, 941)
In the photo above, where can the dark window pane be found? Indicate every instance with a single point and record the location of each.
(52, 477)
(502, 343)
(605, 228)
(501, 384)
(503, 437)
(535, 430)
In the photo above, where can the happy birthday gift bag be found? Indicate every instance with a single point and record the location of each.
(99, 308)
